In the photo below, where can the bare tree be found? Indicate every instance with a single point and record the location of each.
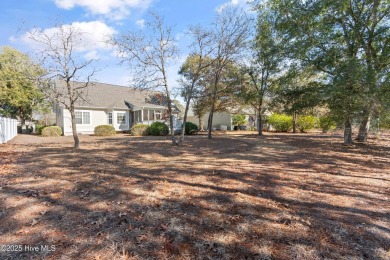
(148, 56)
(194, 68)
(59, 54)
(230, 35)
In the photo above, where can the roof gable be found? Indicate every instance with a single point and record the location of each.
(108, 96)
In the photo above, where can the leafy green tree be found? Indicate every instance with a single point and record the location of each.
(297, 92)
(265, 66)
(226, 98)
(193, 72)
(229, 36)
(19, 92)
(344, 40)
(239, 120)
(371, 21)
(200, 108)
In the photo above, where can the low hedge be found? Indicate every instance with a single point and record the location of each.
(104, 130)
(140, 130)
(158, 128)
(191, 128)
(281, 122)
(51, 131)
(306, 123)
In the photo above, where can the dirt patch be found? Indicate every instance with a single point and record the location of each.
(281, 196)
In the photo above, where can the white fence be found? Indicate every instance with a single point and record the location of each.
(8, 129)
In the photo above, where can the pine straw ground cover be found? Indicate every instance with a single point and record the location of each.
(284, 196)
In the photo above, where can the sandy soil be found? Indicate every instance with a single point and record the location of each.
(237, 196)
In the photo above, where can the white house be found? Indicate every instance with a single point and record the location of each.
(222, 120)
(107, 104)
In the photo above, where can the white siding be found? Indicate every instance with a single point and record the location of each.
(97, 117)
(219, 118)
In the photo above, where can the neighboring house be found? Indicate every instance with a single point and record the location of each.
(107, 104)
(222, 120)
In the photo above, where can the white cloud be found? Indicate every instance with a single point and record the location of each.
(92, 55)
(221, 7)
(115, 9)
(140, 23)
(91, 36)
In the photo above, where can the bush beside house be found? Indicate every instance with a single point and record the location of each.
(104, 130)
(158, 128)
(239, 122)
(191, 128)
(281, 122)
(140, 130)
(305, 123)
(51, 131)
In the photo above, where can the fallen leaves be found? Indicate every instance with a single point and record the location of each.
(164, 203)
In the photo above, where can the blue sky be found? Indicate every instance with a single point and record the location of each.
(102, 17)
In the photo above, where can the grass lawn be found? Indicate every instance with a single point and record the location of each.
(282, 196)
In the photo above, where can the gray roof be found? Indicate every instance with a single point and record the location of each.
(108, 96)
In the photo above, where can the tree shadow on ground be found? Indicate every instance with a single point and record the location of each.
(278, 197)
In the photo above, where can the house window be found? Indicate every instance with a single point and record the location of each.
(121, 118)
(110, 118)
(137, 116)
(79, 117)
(151, 114)
(86, 118)
(146, 117)
(157, 115)
(83, 118)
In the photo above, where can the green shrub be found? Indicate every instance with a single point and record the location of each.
(191, 128)
(104, 130)
(140, 130)
(327, 123)
(51, 131)
(281, 123)
(239, 120)
(39, 128)
(305, 123)
(158, 128)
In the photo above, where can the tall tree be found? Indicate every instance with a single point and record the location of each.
(59, 54)
(297, 91)
(194, 69)
(19, 92)
(200, 108)
(265, 65)
(229, 33)
(371, 19)
(320, 34)
(148, 54)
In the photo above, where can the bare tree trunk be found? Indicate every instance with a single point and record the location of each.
(260, 122)
(294, 122)
(348, 131)
(74, 129)
(364, 127)
(201, 126)
(171, 127)
(183, 129)
(210, 121)
(169, 110)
